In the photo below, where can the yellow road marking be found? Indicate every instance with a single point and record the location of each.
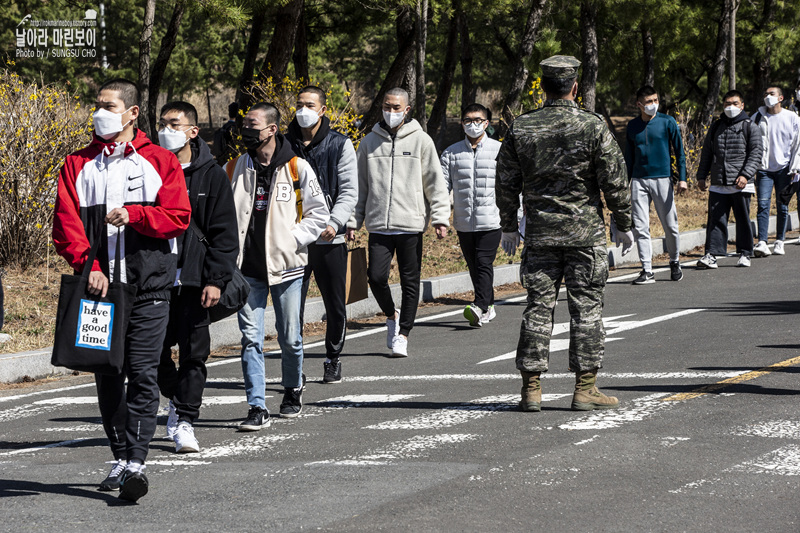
(731, 381)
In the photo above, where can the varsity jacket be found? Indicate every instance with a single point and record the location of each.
(214, 214)
(148, 182)
(288, 235)
(400, 182)
(470, 175)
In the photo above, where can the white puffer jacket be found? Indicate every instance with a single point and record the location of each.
(470, 175)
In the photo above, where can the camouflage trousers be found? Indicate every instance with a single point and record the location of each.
(584, 271)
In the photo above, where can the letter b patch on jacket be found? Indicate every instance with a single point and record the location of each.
(283, 192)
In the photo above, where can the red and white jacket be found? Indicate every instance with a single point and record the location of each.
(145, 179)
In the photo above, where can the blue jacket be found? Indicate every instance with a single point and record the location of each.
(647, 148)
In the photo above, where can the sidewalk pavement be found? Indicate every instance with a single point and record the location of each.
(36, 364)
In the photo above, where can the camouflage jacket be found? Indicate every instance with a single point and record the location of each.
(560, 157)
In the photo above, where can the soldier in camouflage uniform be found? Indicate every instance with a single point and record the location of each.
(560, 158)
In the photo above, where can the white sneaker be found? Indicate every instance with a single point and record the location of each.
(778, 248)
(761, 249)
(707, 261)
(392, 328)
(185, 441)
(400, 346)
(474, 315)
(743, 261)
(172, 421)
(490, 314)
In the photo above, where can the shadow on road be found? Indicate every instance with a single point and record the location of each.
(714, 388)
(784, 307)
(8, 446)
(784, 369)
(14, 487)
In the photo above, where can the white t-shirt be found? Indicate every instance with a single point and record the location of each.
(731, 189)
(781, 131)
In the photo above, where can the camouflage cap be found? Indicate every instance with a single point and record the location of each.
(562, 67)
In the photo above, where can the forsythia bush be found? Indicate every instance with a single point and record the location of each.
(39, 126)
(533, 99)
(284, 96)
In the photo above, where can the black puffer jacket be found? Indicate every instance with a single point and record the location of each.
(214, 213)
(732, 148)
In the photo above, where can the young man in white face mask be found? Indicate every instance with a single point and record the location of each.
(780, 131)
(333, 159)
(469, 171)
(204, 268)
(124, 187)
(400, 188)
(731, 154)
(649, 138)
(280, 210)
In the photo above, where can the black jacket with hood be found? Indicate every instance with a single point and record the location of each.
(214, 214)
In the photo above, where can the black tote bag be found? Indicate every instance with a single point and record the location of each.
(90, 329)
(234, 295)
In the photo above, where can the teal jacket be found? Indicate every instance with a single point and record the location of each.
(647, 152)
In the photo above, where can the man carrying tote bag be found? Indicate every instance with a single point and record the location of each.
(123, 187)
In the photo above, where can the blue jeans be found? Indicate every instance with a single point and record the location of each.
(286, 304)
(765, 181)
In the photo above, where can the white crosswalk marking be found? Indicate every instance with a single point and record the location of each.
(613, 326)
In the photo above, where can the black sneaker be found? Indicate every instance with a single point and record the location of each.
(257, 418)
(675, 272)
(644, 278)
(292, 404)
(333, 372)
(111, 482)
(132, 485)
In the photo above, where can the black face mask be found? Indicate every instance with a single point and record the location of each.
(251, 137)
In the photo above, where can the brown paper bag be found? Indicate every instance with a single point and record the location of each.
(356, 285)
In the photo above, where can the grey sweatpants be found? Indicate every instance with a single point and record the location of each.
(659, 191)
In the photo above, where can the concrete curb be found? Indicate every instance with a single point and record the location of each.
(36, 363)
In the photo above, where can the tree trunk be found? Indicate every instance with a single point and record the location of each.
(422, 42)
(762, 67)
(208, 105)
(590, 54)
(249, 65)
(160, 66)
(398, 70)
(282, 43)
(649, 56)
(300, 55)
(439, 109)
(525, 50)
(717, 69)
(144, 65)
(732, 48)
(467, 86)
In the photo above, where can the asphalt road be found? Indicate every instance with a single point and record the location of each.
(707, 437)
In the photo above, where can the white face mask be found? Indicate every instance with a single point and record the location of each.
(108, 124)
(732, 111)
(651, 109)
(393, 119)
(306, 118)
(770, 100)
(172, 140)
(474, 130)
